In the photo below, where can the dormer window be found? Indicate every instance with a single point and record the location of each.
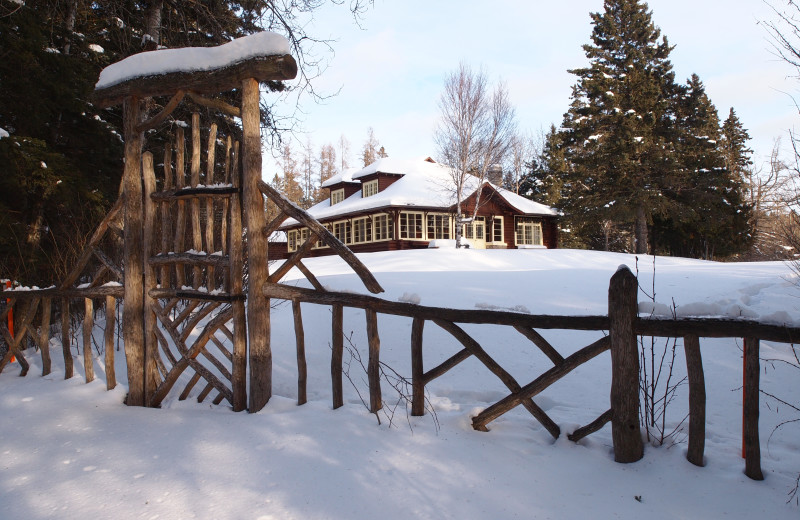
(369, 188)
(337, 196)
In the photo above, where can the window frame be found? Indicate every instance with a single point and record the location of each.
(416, 216)
(358, 230)
(377, 227)
(524, 224)
(436, 221)
(369, 188)
(337, 196)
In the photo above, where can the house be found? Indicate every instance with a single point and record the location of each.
(397, 204)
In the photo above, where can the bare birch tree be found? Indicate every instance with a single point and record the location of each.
(474, 133)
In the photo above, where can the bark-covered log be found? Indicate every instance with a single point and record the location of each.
(716, 328)
(697, 400)
(542, 343)
(88, 326)
(622, 311)
(44, 335)
(293, 260)
(417, 369)
(302, 374)
(325, 236)
(197, 260)
(234, 285)
(373, 364)
(133, 310)
(310, 276)
(592, 427)
(216, 104)
(495, 368)
(258, 319)
(194, 204)
(159, 118)
(752, 394)
(152, 378)
(337, 351)
(446, 365)
(111, 316)
(65, 338)
(541, 383)
(180, 217)
(360, 301)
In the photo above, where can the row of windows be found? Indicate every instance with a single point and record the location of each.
(421, 226)
(368, 189)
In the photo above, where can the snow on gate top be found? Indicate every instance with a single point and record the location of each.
(193, 59)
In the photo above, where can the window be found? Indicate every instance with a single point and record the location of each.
(292, 240)
(369, 188)
(362, 230)
(529, 232)
(341, 230)
(382, 227)
(337, 196)
(411, 226)
(496, 230)
(320, 244)
(474, 230)
(438, 227)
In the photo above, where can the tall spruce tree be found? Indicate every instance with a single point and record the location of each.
(618, 134)
(709, 217)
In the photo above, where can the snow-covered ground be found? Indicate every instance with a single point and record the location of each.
(72, 450)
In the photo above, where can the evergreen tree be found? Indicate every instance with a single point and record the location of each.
(618, 133)
(709, 216)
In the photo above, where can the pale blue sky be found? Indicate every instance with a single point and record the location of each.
(391, 70)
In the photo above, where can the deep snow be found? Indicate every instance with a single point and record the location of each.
(73, 450)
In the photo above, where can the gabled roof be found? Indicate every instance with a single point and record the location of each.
(346, 176)
(424, 184)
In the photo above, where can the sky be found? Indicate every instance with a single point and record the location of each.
(388, 73)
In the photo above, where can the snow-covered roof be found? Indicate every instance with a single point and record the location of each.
(192, 59)
(346, 176)
(424, 184)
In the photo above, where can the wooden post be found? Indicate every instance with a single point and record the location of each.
(180, 220)
(236, 281)
(258, 314)
(622, 311)
(337, 350)
(697, 400)
(752, 395)
(373, 365)
(44, 336)
(166, 216)
(108, 337)
(65, 336)
(301, 353)
(88, 325)
(152, 377)
(209, 206)
(417, 368)
(197, 236)
(133, 310)
(10, 317)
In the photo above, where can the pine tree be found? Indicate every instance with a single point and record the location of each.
(618, 132)
(710, 215)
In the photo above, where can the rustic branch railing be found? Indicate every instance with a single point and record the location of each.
(623, 326)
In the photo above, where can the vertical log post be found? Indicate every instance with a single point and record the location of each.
(108, 337)
(210, 215)
(622, 311)
(197, 235)
(373, 365)
(180, 220)
(697, 400)
(152, 378)
(133, 310)
(44, 336)
(302, 373)
(258, 314)
(65, 337)
(417, 368)
(752, 447)
(166, 217)
(337, 351)
(236, 281)
(88, 325)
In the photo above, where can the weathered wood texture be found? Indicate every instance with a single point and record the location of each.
(302, 374)
(66, 338)
(88, 326)
(417, 368)
(337, 351)
(133, 310)
(697, 400)
(44, 335)
(108, 341)
(258, 321)
(622, 311)
(592, 427)
(235, 281)
(752, 446)
(374, 362)
(152, 378)
(266, 68)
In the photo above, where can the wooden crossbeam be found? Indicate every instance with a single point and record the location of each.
(592, 427)
(293, 260)
(159, 118)
(542, 343)
(309, 276)
(541, 383)
(476, 350)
